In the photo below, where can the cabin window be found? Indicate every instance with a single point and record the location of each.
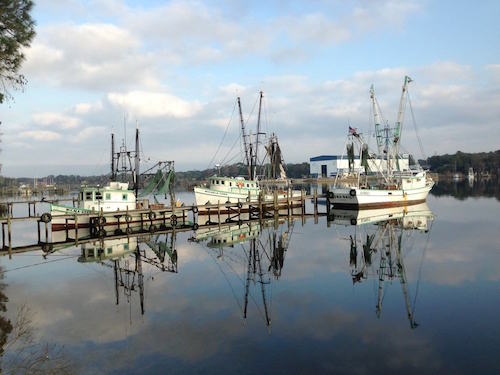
(110, 250)
(125, 246)
(81, 196)
(98, 195)
(108, 196)
(124, 197)
(217, 182)
(88, 196)
(230, 184)
(248, 185)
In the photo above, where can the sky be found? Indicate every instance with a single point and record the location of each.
(174, 69)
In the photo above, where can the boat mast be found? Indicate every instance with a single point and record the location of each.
(136, 173)
(399, 122)
(377, 116)
(254, 170)
(113, 174)
(244, 136)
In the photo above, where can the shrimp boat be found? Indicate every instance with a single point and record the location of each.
(118, 197)
(221, 189)
(383, 181)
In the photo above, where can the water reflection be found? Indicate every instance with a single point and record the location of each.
(254, 252)
(380, 240)
(125, 256)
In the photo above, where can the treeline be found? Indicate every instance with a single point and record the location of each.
(460, 162)
(184, 179)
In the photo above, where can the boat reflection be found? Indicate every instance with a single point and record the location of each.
(386, 234)
(254, 252)
(126, 257)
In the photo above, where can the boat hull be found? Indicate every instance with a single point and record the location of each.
(205, 196)
(356, 198)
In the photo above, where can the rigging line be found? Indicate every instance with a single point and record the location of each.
(415, 127)
(420, 271)
(225, 277)
(231, 149)
(236, 155)
(251, 112)
(38, 264)
(223, 137)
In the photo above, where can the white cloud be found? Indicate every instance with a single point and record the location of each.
(154, 104)
(55, 119)
(40, 135)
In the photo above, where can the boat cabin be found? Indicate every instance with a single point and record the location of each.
(115, 197)
(233, 184)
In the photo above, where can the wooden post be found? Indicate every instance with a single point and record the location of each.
(66, 227)
(239, 211)
(218, 212)
(260, 205)
(3, 235)
(76, 229)
(315, 200)
(10, 236)
(289, 201)
(303, 201)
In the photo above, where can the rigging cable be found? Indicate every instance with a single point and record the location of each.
(416, 130)
(223, 137)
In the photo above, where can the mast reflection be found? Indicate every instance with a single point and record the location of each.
(385, 234)
(126, 257)
(255, 252)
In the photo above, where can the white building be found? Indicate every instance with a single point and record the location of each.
(330, 165)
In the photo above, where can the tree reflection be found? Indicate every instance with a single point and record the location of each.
(20, 353)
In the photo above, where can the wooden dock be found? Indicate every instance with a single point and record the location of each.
(156, 219)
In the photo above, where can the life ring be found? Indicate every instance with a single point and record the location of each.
(240, 204)
(352, 193)
(46, 218)
(151, 215)
(195, 226)
(242, 236)
(240, 184)
(128, 218)
(101, 220)
(173, 220)
(354, 221)
(195, 209)
(128, 230)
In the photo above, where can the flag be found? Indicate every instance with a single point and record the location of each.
(353, 131)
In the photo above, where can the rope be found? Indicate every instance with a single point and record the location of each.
(420, 271)
(420, 145)
(223, 137)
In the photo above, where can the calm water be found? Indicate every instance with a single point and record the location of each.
(316, 297)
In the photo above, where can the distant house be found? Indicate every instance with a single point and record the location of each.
(331, 165)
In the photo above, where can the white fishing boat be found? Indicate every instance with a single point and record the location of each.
(116, 197)
(384, 184)
(221, 189)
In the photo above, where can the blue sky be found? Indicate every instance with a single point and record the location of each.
(177, 67)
